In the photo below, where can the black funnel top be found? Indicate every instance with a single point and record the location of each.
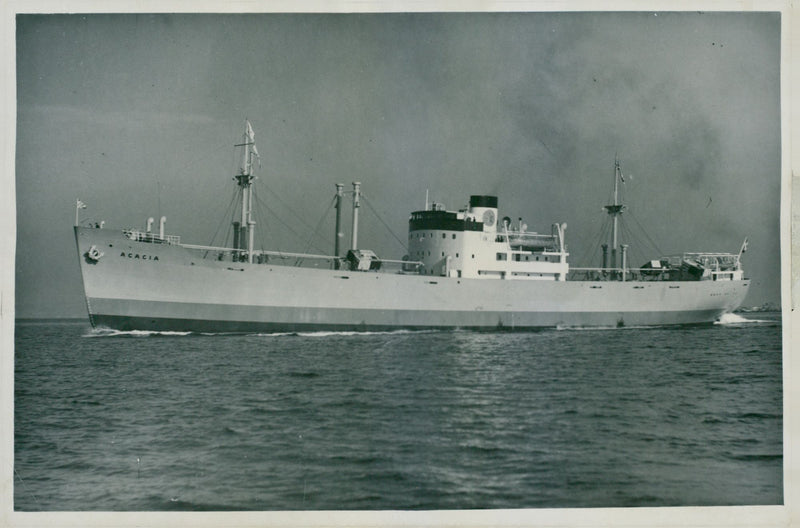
(482, 200)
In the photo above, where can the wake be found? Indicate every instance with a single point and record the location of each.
(736, 319)
(109, 332)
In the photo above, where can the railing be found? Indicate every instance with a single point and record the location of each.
(263, 256)
(650, 274)
(714, 261)
(152, 238)
(618, 274)
(515, 238)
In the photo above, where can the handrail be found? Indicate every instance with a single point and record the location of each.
(620, 270)
(261, 252)
(138, 236)
(730, 255)
(288, 254)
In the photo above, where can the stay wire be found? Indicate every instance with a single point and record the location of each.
(261, 205)
(633, 247)
(259, 219)
(603, 238)
(225, 216)
(589, 253)
(290, 209)
(403, 244)
(319, 223)
(193, 162)
(190, 164)
(639, 250)
(647, 236)
(281, 221)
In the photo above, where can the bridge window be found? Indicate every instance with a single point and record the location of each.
(502, 256)
(454, 236)
(444, 235)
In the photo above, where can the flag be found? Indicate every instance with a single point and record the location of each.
(251, 140)
(81, 205)
(251, 136)
(744, 247)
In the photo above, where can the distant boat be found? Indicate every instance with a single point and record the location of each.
(463, 269)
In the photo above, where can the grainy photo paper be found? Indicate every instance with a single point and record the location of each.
(414, 265)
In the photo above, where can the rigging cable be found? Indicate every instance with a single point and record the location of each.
(287, 226)
(260, 219)
(191, 163)
(633, 249)
(650, 240)
(591, 252)
(291, 210)
(403, 244)
(316, 229)
(261, 204)
(224, 217)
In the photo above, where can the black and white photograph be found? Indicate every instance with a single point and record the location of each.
(500, 264)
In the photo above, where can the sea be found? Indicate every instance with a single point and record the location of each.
(405, 420)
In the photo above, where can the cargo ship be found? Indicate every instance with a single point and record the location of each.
(464, 269)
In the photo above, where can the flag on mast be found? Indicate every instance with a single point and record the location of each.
(251, 140)
(78, 206)
(251, 136)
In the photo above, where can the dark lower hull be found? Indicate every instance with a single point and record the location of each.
(166, 324)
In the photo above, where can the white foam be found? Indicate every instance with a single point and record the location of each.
(595, 328)
(108, 332)
(736, 319)
(328, 333)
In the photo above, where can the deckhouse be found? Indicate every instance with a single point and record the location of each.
(474, 243)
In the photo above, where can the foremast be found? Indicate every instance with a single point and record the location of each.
(615, 210)
(245, 227)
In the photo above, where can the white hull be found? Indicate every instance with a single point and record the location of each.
(139, 285)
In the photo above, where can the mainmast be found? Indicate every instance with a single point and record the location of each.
(356, 205)
(615, 210)
(245, 180)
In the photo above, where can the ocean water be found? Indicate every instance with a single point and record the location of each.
(402, 420)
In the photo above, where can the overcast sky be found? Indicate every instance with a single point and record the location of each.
(137, 115)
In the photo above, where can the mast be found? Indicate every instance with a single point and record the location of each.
(356, 205)
(245, 180)
(338, 236)
(615, 210)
